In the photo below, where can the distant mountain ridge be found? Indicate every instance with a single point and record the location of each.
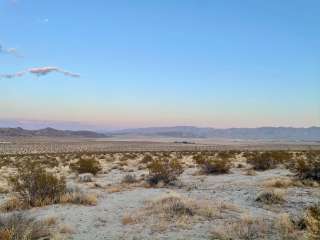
(264, 133)
(48, 132)
(311, 133)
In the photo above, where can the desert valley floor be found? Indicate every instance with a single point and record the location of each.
(161, 189)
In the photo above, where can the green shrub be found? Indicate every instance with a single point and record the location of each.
(213, 164)
(35, 186)
(90, 165)
(146, 159)
(164, 170)
(263, 161)
(308, 167)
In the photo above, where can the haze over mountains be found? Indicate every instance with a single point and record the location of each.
(48, 132)
(277, 133)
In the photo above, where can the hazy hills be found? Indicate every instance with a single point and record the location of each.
(277, 133)
(48, 132)
(312, 133)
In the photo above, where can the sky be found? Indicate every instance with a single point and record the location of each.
(122, 64)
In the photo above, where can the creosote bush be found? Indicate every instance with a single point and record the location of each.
(309, 166)
(213, 164)
(164, 170)
(265, 160)
(36, 187)
(146, 159)
(20, 227)
(90, 165)
(312, 221)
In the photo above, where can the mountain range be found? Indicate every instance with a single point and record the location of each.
(311, 133)
(48, 132)
(277, 133)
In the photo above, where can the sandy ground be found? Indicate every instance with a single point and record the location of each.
(104, 221)
(27, 145)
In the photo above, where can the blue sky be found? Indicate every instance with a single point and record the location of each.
(159, 63)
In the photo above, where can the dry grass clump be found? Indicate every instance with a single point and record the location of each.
(250, 172)
(279, 183)
(217, 164)
(90, 165)
(164, 170)
(12, 204)
(79, 197)
(34, 186)
(287, 228)
(21, 227)
(312, 221)
(175, 210)
(129, 179)
(308, 167)
(246, 228)
(271, 196)
(250, 228)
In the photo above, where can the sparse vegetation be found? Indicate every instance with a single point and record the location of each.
(164, 170)
(79, 197)
(262, 161)
(279, 183)
(37, 187)
(271, 196)
(173, 211)
(176, 210)
(90, 165)
(20, 227)
(213, 164)
(308, 166)
(146, 159)
(246, 228)
(312, 221)
(129, 178)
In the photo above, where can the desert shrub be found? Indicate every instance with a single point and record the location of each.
(35, 186)
(79, 197)
(21, 227)
(90, 165)
(312, 221)
(146, 159)
(128, 156)
(226, 154)
(263, 161)
(279, 182)
(308, 167)
(172, 210)
(246, 228)
(164, 170)
(129, 178)
(273, 196)
(213, 164)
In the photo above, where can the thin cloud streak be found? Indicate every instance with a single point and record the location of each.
(39, 71)
(10, 51)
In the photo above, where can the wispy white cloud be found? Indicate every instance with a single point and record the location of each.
(39, 71)
(11, 51)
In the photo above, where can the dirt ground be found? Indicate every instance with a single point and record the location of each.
(26, 145)
(233, 196)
